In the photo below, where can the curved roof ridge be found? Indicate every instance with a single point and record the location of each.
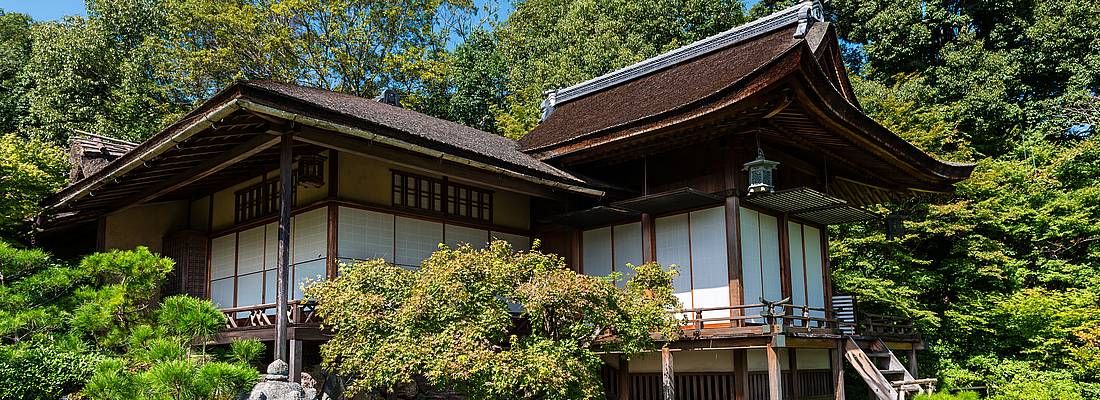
(804, 13)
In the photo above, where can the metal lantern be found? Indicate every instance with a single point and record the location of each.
(895, 226)
(311, 170)
(761, 179)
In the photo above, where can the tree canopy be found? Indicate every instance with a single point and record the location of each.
(487, 323)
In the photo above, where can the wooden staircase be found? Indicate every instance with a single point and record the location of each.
(884, 374)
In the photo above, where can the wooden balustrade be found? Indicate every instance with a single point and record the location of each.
(263, 315)
(780, 313)
(887, 326)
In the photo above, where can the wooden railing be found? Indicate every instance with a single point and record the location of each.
(887, 326)
(263, 315)
(778, 313)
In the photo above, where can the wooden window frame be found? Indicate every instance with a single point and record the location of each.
(438, 196)
(259, 200)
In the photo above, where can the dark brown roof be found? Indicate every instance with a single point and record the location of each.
(447, 136)
(723, 87)
(234, 119)
(659, 92)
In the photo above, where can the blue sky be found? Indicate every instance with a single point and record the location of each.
(44, 10)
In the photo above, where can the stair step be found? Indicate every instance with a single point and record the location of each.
(892, 371)
(879, 355)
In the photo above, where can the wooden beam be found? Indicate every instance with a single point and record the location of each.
(624, 378)
(205, 169)
(295, 360)
(649, 237)
(785, 257)
(913, 363)
(668, 383)
(775, 374)
(837, 359)
(740, 373)
(733, 252)
(792, 359)
(331, 263)
(427, 164)
(286, 181)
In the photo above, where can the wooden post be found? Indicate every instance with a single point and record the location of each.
(792, 359)
(286, 181)
(775, 374)
(785, 258)
(668, 385)
(649, 238)
(913, 362)
(295, 360)
(836, 356)
(733, 253)
(740, 373)
(624, 378)
(331, 263)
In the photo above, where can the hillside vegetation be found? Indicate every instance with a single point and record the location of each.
(1004, 276)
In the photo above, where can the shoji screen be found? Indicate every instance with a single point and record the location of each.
(271, 254)
(627, 240)
(518, 242)
(309, 248)
(673, 248)
(798, 264)
(415, 240)
(596, 251)
(609, 249)
(364, 235)
(250, 263)
(815, 268)
(223, 260)
(709, 266)
(759, 257)
(807, 267)
(455, 235)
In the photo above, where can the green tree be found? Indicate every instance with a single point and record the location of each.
(159, 364)
(15, 49)
(31, 170)
(452, 325)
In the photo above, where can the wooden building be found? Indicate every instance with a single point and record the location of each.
(671, 160)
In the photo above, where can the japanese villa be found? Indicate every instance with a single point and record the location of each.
(728, 157)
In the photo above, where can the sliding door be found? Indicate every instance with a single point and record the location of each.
(760, 275)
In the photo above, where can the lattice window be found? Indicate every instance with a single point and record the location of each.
(417, 192)
(437, 196)
(258, 201)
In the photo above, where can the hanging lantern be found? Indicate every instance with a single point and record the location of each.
(761, 179)
(895, 226)
(311, 170)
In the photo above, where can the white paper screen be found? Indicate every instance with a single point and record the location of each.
(596, 251)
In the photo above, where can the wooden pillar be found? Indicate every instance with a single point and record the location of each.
(836, 356)
(668, 383)
(913, 362)
(624, 378)
(740, 373)
(775, 374)
(286, 182)
(649, 239)
(733, 253)
(332, 237)
(333, 213)
(792, 359)
(785, 257)
(295, 360)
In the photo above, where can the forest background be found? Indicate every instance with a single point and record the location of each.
(1004, 277)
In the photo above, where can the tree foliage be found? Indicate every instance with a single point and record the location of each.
(488, 324)
(100, 328)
